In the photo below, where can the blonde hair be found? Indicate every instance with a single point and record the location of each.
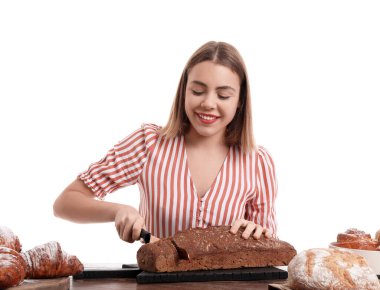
(239, 131)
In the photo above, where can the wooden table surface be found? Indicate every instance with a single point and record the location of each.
(131, 284)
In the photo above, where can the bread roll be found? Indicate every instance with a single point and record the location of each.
(326, 269)
(12, 268)
(8, 239)
(212, 248)
(356, 239)
(352, 235)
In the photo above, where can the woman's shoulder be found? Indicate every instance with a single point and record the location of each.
(155, 138)
(151, 133)
(263, 155)
(259, 150)
(147, 133)
(150, 127)
(260, 154)
(148, 130)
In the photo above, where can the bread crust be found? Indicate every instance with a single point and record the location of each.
(49, 261)
(12, 268)
(377, 236)
(356, 239)
(8, 239)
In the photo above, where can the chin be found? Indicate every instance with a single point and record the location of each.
(206, 132)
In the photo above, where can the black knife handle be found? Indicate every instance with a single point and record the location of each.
(145, 235)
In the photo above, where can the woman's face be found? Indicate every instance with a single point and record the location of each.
(211, 98)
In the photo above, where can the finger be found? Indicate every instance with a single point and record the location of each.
(249, 230)
(127, 233)
(119, 229)
(136, 229)
(268, 233)
(258, 231)
(237, 224)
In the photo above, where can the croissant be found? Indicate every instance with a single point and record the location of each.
(8, 239)
(48, 261)
(12, 268)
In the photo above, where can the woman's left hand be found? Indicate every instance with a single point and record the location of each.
(250, 228)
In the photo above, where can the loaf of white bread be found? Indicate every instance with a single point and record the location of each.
(326, 269)
(212, 248)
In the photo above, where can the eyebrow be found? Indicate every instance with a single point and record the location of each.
(218, 88)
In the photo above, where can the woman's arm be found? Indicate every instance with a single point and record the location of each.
(261, 210)
(260, 216)
(78, 204)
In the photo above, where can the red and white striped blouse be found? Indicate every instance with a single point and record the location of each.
(245, 186)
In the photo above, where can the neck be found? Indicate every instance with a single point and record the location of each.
(193, 139)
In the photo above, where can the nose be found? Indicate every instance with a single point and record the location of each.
(209, 102)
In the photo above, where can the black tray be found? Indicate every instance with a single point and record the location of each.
(244, 274)
(126, 271)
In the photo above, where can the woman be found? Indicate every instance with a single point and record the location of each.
(203, 168)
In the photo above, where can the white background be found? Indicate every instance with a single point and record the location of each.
(78, 76)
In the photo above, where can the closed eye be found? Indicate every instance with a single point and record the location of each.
(197, 93)
(223, 97)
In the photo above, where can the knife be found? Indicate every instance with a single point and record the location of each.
(145, 236)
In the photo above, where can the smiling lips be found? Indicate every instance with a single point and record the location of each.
(206, 118)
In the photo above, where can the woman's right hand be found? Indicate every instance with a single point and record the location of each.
(128, 223)
(77, 203)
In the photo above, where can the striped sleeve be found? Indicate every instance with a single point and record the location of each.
(261, 209)
(123, 163)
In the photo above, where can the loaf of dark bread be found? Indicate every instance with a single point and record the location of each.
(212, 248)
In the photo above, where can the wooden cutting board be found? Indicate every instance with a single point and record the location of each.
(44, 284)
